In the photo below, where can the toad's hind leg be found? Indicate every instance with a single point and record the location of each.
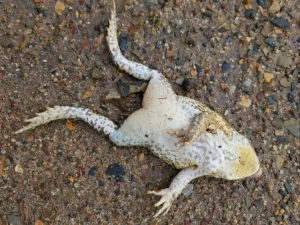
(98, 122)
(137, 70)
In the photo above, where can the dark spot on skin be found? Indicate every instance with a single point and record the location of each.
(219, 146)
(146, 135)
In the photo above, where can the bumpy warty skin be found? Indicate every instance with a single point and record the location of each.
(183, 132)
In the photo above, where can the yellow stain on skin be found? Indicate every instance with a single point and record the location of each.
(247, 163)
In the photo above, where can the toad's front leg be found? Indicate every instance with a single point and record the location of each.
(168, 195)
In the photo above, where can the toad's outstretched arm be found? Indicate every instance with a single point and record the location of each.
(168, 195)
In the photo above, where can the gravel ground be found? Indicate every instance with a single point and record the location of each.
(239, 57)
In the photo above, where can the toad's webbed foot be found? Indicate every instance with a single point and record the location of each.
(165, 200)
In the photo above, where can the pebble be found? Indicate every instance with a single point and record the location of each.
(126, 88)
(279, 162)
(262, 3)
(189, 84)
(19, 169)
(232, 89)
(14, 220)
(115, 169)
(278, 123)
(275, 7)
(283, 193)
(281, 22)
(245, 102)
(247, 82)
(294, 129)
(250, 13)
(92, 171)
(260, 96)
(100, 183)
(268, 77)
(288, 188)
(284, 82)
(270, 41)
(123, 42)
(179, 61)
(113, 94)
(284, 60)
(188, 190)
(282, 140)
(293, 86)
(98, 73)
(271, 99)
(158, 45)
(290, 98)
(225, 67)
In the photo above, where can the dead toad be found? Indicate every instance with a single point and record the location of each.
(181, 131)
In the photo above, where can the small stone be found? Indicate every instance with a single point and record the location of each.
(92, 171)
(284, 61)
(278, 123)
(100, 183)
(123, 42)
(179, 80)
(180, 61)
(270, 41)
(19, 169)
(87, 95)
(188, 190)
(282, 140)
(290, 98)
(158, 45)
(271, 99)
(38, 222)
(285, 82)
(170, 53)
(279, 162)
(262, 3)
(113, 94)
(293, 86)
(126, 88)
(268, 77)
(293, 127)
(98, 73)
(59, 7)
(247, 82)
(275, 7)
(232, 89)
(281, 22)
(141, 156)
(189, 84)
(288, 188)
(14, 220)
(225, 67)
(245, 102)
(224, 86)
(279, 132)
(115, 169)
(282, 193)
(260, 96)
(250, 13)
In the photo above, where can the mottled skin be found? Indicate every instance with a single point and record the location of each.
(183, 132)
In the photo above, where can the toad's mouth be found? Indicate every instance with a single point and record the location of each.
(257, 174)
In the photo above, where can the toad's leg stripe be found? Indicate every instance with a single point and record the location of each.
(98, 122)
(137, 70)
